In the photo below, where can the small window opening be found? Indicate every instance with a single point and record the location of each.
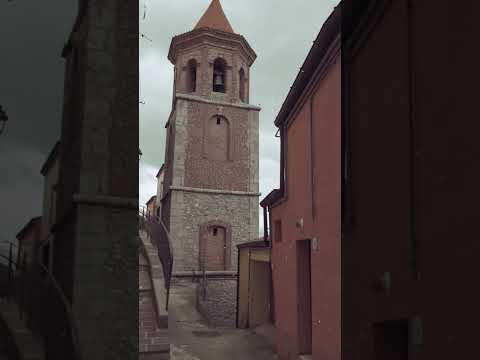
(219, 121)
(219, 67)
(192, 76)
(215, 231)
(242, 85)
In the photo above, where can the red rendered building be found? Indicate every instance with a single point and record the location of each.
(305, 213)
(410, 182)
(374, 228)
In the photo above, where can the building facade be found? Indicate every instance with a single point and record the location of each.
(95, 255)
(410, 204)
(28, 242)
(304, 214)
(152, 206)
(210, 190)
(49, 171)
(160, 178)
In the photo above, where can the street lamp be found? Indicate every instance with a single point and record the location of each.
(3, 119)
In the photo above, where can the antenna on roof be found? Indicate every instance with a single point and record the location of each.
(146, 37)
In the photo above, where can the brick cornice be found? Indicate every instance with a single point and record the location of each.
(105, 200)
(219, 103)
(216, 36)
(214, 191)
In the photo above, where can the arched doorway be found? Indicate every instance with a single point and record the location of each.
(215, 246)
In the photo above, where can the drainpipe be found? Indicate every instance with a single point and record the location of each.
(238, 285)
(265, 225)
(282, 160)
(312, 160)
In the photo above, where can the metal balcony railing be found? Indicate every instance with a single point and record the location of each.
(42, 304)
(160, 237)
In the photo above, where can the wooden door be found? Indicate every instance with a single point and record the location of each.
(391, 340)
(215, 248)
(259, 294)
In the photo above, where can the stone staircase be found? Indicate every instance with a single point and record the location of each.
(158, 281)
(155, 344)
(29, 346)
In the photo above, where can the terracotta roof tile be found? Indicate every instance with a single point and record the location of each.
(215, 18)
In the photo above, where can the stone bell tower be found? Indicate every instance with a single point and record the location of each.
(210, 198)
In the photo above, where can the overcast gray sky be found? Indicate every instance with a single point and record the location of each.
(280, 31)
(32, 35)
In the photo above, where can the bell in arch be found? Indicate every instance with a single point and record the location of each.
(218, 80)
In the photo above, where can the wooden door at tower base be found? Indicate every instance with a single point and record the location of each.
(215, 248)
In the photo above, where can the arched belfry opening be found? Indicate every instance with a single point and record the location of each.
(241, 79)
(192, 67)
(219, 75)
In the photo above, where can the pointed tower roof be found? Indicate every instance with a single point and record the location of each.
(215, 18)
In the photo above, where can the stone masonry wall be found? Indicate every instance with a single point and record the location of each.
(205, 54)
(219, 307)
(189, 210)
(103, 183)
(238, 171)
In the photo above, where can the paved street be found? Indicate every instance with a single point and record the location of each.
(193, 339)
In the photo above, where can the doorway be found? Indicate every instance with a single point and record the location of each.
(259, 312)
(215, 248)
(304, 291)
(391, 340)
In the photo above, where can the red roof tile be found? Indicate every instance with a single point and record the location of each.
(215, 18)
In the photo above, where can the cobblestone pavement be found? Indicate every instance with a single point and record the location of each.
(179, 354)
(193, 339)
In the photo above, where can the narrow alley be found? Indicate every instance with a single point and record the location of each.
(192, 339)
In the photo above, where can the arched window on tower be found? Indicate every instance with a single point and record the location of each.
(192, 75)
(219, 75)
(217, 139)
(241, 77)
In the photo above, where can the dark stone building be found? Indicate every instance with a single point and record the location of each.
(96, 232)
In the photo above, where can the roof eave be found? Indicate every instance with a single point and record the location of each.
(172, 52)
(50, 159)
(160, 171)
(327, 35)
(27, 227)
(271, 198)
